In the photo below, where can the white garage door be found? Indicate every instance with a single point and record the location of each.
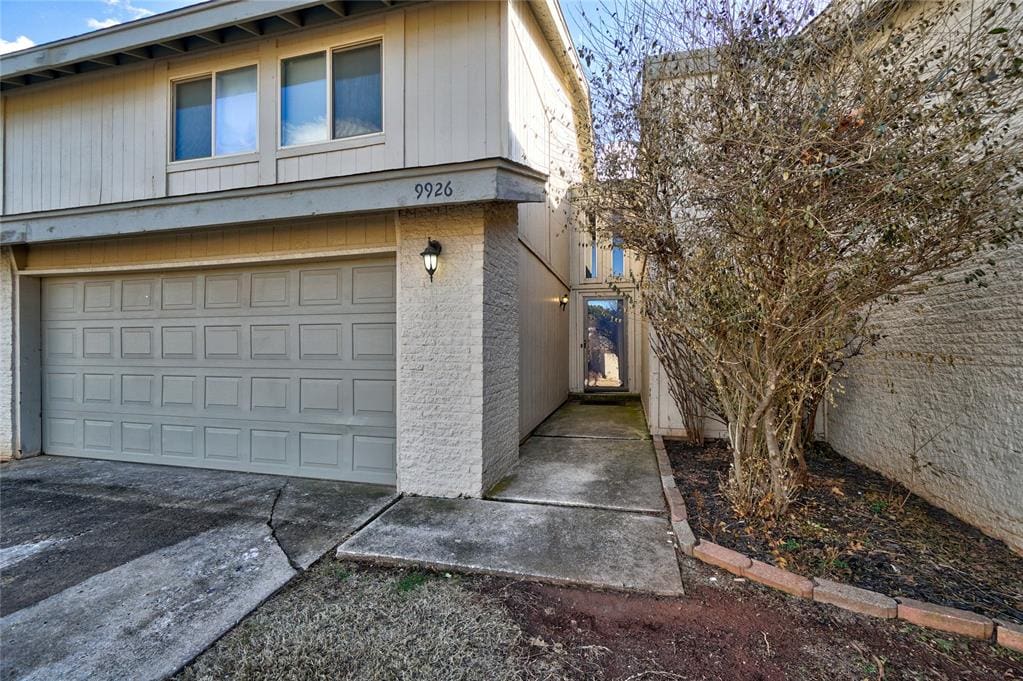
(286, 370)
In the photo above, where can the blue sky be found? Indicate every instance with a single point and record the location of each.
(27, 22)
(24, 23)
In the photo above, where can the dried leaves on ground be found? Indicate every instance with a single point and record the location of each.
(347, 621)
(854, 525)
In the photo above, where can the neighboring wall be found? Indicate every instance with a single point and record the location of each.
(938, 404)
(541, 134)
(103, 138)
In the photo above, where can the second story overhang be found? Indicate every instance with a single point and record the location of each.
(482, 181)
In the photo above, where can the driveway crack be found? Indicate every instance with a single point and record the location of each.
(273, 530)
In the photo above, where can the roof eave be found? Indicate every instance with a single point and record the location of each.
(193, 28)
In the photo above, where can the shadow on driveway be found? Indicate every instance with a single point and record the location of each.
(116, 570)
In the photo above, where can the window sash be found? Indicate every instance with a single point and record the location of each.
(309, 127)
(329, 57)
(214, 109)
(188, 117)
(359, 97)
(240, 88)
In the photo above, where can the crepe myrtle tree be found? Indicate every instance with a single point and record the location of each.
(783, 169)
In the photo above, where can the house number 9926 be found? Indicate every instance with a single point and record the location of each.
(431, 190)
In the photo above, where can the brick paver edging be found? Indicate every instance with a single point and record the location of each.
(845, 596)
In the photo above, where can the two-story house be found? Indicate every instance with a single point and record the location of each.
(323, 239)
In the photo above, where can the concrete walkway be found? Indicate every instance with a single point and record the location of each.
(582, 506)
(620, 475)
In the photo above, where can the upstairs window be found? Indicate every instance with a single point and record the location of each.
(353, 104)
(215, 115)
(617, 257)
(304, 100)
(591, 267)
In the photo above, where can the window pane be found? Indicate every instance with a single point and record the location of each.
(304, 99)
(192, 119)
(617, 258)
(236, 111)
(358, 107)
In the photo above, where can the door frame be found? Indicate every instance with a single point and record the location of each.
(623, 351)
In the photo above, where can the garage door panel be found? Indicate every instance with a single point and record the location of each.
(357, 397)
(330, 451)
(267, 370)
(316, 289)
(336, 340)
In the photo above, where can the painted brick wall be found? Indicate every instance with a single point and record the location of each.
(6, 354)
(456, 339)
(501, 343)
(950, 428)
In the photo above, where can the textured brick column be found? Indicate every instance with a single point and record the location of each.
(7, 322)
(457, 350)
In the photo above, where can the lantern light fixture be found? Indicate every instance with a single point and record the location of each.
(430, 256)
(563, 300)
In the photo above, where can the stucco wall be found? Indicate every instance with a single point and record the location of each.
(938, 404)
(457, 351)
(6, 354)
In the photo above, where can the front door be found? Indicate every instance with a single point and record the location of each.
(605, 345)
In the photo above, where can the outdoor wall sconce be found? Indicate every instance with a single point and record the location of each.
(563, 300)
(430, 255)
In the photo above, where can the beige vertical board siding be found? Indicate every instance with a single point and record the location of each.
(543, 342)
(4, 151)
(96, 139)
(453, 82)
(11, 151)
(539, 132)
(542, 135)
(662, 415)
(81, 142)
(215, 179)
(294, 238)
(104, 138)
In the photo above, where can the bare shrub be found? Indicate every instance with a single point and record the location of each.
(784, 171)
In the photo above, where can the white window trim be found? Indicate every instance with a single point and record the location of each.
(331, 144)
(214, 158)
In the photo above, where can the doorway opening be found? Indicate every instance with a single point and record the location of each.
(604, 345)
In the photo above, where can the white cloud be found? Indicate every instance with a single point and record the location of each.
(22, 42)
(96, 24)
(119, 11)
(132, 11)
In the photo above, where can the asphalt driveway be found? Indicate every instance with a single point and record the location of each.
(113, 570)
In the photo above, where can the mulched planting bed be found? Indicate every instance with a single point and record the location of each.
(853, 525)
